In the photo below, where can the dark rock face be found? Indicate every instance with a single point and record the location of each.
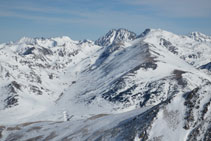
(16, 85)
(200, 130)
(205, 109)
(179, 78)
(169, 46)
(206, 66)
(12, 99)
(45, 51)
(146, 31)
(113, 96)
(42, 50)
(29, 51)
(207, 136)
(148, 65)
(190, 103)
(35, 90)
(196, 114)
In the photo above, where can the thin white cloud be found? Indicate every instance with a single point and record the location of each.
(176, 8)
(102, 18)
(40, 9)
(42, 19)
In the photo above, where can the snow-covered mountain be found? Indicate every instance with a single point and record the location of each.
(152, 86)
(116, 36)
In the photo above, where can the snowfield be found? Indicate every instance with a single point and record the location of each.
(155, 86)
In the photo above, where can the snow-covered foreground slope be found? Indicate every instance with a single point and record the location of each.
(152, 86)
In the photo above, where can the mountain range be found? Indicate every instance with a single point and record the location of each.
(154, 86)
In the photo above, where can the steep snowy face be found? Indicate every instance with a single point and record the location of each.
(116, 36)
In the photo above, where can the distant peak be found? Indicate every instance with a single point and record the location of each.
(50, 42)
(66, 38)
(116, 35)
(24, 39)
(27, 40)
(198, 36)
(86, 41)
(63, 39)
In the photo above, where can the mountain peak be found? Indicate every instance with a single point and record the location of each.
(146, 31)
(27, 40)
(155, 32)
(62, 38)
(116, 35)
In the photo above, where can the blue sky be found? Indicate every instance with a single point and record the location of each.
(90, 19)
